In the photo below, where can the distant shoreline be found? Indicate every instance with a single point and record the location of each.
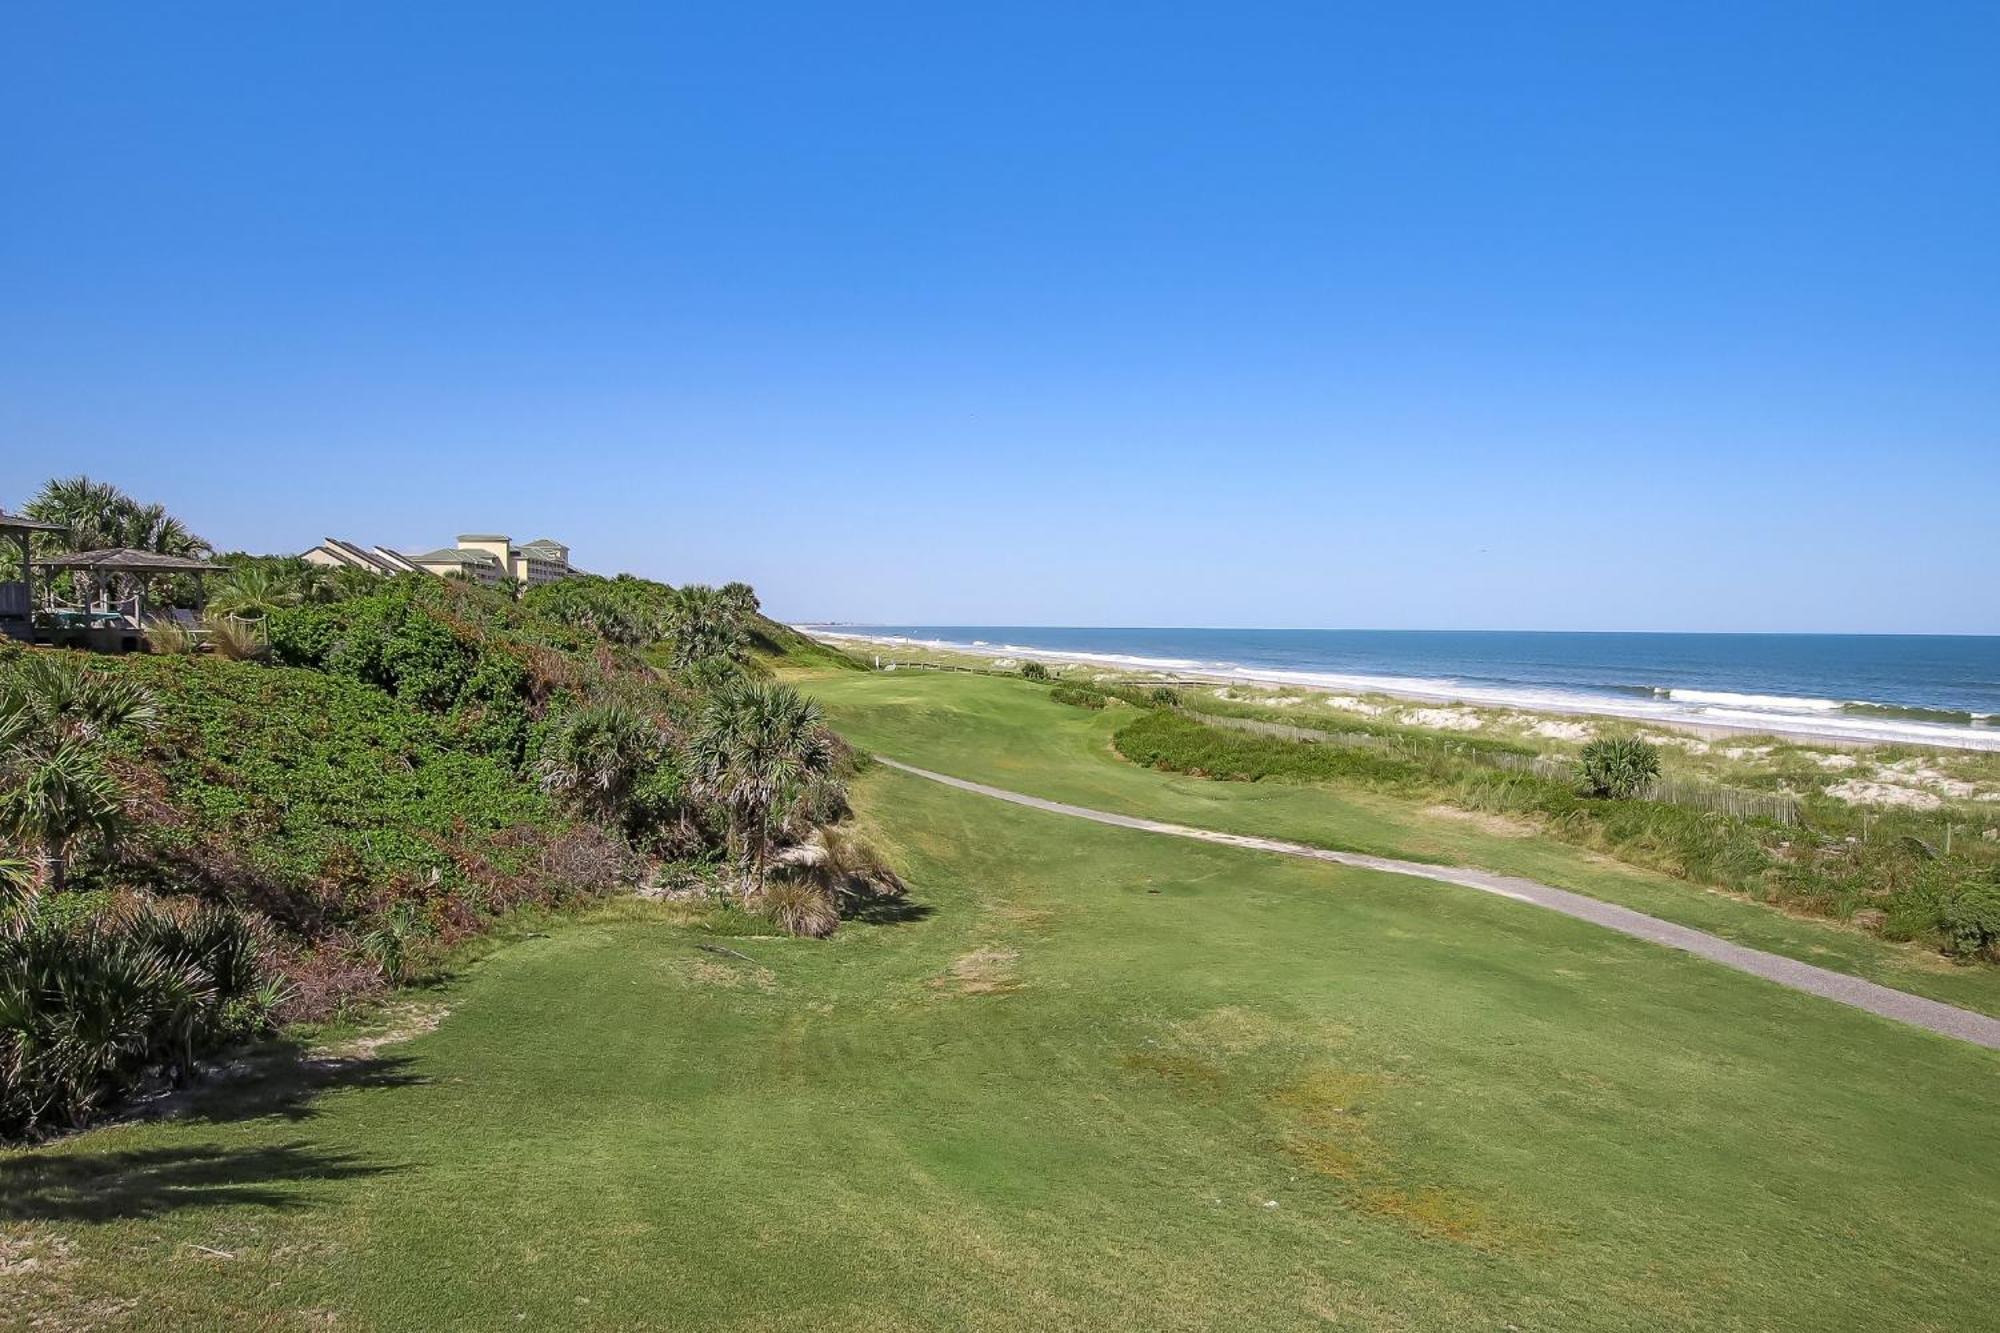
(1855, 735)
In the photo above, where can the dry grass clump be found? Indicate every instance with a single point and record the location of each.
(170, 638)
(830, 876)
(799, 907)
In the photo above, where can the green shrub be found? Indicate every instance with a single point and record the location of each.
(1079, 696)
(1970, 920)
(1620, 768)
(1034, 671)
(1174, 741)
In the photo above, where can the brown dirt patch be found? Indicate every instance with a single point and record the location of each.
(1184, 1072)
(981, 972)
(1500, 826)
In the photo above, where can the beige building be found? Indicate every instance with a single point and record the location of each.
(538, 561)
(478, 557)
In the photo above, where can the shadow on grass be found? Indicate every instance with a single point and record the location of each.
(288, 1086)
(889, 912)
(151, 1182)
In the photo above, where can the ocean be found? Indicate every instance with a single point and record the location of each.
(1941, 689)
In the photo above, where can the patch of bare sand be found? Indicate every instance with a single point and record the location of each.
(1442, 719)
(1859, 791)
(404, 1022)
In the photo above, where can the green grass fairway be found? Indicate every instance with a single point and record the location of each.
(1009, 734)
(1100, 1079)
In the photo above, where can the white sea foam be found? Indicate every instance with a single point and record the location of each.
(1779, 703)
(1787, 714)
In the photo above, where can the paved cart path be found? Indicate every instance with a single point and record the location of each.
(1884, 1000)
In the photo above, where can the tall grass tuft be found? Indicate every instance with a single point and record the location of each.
(171, 638)
(237, 639)
(799, 907)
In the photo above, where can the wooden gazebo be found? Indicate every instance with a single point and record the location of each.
(17, 599)
(118, 626)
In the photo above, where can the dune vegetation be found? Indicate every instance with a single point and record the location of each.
(359, 777)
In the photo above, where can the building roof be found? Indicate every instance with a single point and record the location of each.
(19, 523)
(359, 558)
(483, 537)
(455, 555)
(125, 560)
(549, 544)
(395, 561)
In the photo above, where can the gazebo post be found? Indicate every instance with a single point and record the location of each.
(200, 592)
(28, 581)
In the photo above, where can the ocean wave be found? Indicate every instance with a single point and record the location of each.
(1775, 703)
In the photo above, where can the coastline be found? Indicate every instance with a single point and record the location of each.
(1827, 727)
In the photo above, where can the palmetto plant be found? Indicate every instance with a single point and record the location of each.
(706, 626)
(596, 756)
(254, 592)
(1618, 767)
(392, 944)
(87, 1006)
(758, 750)
(58, 800)
(55, 793)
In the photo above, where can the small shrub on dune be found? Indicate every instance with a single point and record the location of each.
(1970, 920)
(1034, 671)
(1618, 768)
(1078, 697)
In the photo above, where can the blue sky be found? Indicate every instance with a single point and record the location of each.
(1539, 316)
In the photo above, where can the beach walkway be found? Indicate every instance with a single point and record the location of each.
(1883, 1000)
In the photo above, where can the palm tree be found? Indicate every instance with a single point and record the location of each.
(89, 509)
(99, 515)
(151, 528)
(758, 749)
(252, 592)
(54, 791)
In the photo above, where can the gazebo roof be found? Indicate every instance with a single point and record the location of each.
(17, 523)
(125, 560)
